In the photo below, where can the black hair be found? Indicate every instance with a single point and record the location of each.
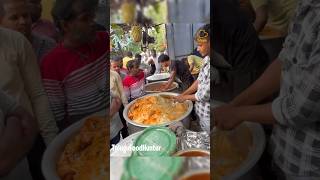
(163, 58)
(132, 64)
(129, 54)
(116, 58)
(64, 10)
(138, 57)
(185, 61)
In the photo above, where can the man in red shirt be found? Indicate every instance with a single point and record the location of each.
(133, 83)
(74, 73)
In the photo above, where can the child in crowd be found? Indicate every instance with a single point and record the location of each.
(116, 65)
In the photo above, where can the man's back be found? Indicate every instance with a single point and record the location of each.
(182, 72)
(235, 38)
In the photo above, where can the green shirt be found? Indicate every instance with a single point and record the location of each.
(198, 62)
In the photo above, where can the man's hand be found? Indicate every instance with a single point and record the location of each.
(177, 128)
(164, 87)
(226, 117)
(29, 124)
(180, 98)
(10, 145)
(17, 139)
(115, 106)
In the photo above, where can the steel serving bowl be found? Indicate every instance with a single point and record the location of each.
(55, 149)
(175, 85)
(186, 114)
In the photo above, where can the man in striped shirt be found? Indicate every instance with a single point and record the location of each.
(294, 114)
(74, 73)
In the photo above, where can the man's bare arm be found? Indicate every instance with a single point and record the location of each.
(267, 84)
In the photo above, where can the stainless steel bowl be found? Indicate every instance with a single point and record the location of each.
(158, 77)
(53, 152)
(192, 173)
(126, 109)
(247, 170)
(160, 82)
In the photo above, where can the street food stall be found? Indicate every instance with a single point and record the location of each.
(152, 113)
(159, 125)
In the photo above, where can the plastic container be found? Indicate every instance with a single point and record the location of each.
(155, 168)
(161, 141)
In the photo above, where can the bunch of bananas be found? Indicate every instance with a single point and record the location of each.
(136, 33)
(128, 10)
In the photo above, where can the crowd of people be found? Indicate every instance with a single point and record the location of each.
(52, 75)
(128, 80)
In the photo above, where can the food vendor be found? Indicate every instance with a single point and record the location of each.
(294, 113)
(201, 87)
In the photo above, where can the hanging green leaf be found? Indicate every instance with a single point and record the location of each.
(157, 28)
(157, 7)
